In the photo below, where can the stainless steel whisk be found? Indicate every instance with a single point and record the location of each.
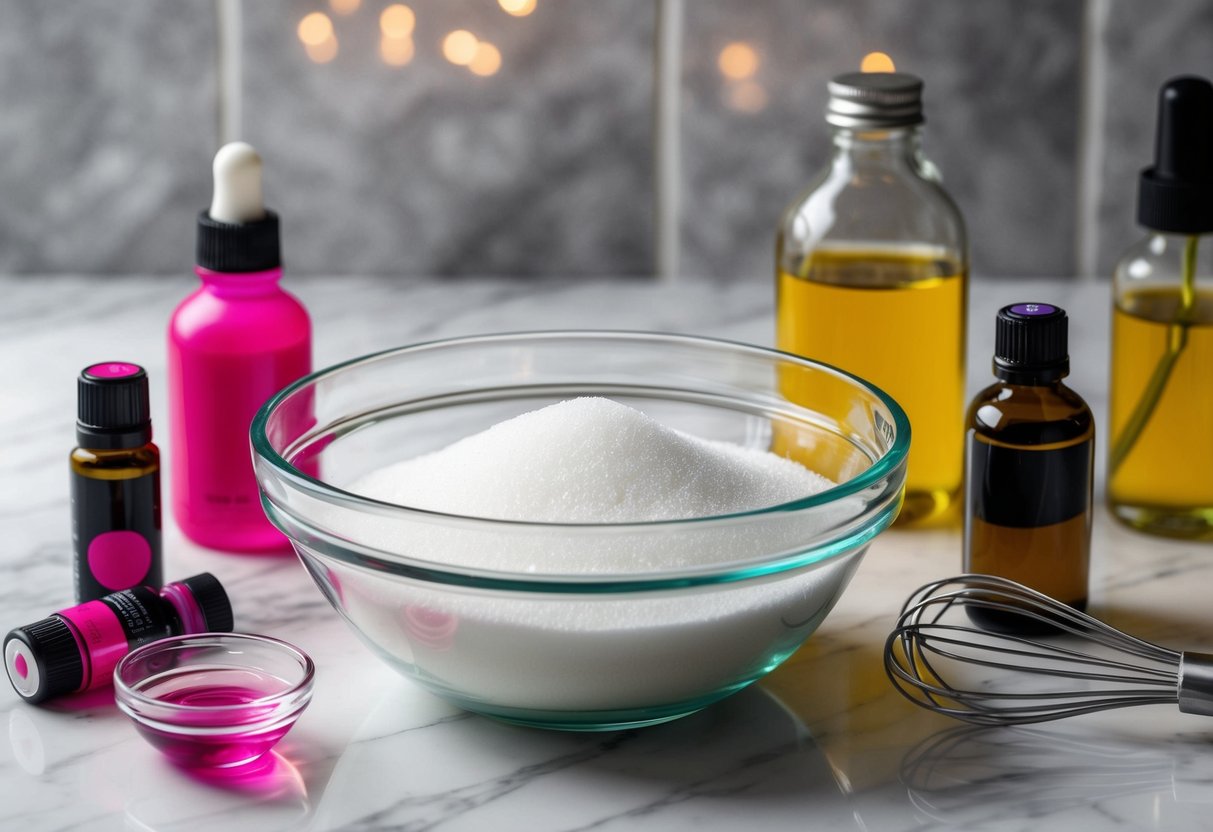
(922, 651)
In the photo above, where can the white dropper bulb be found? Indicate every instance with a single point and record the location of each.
(237, 196)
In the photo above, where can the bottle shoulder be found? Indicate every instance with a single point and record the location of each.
(1157, 262)
(216, 322)
(1030, 415)
(858, 207)
(116, 463)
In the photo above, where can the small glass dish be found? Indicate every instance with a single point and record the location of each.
(214, 700)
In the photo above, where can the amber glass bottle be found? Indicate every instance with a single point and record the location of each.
(1029, 460)
(872, 277)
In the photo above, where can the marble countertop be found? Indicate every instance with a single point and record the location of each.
(823, 743)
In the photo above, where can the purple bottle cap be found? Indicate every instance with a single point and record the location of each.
(1033, 309)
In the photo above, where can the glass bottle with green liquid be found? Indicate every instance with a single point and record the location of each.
(872, 277)
(1160, 460)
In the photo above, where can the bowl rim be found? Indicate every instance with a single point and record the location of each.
(129, 696)
(881, 468)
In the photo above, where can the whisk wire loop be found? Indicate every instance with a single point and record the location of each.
(924, 656)
(1041, 652)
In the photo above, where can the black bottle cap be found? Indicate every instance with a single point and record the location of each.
(43, 660)
(1176, 194)
(112, 406)
(236, 247)
(212, 600)
(1030, 343)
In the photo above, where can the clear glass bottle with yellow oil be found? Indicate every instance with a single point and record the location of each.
(1160, 459)
(872, 277)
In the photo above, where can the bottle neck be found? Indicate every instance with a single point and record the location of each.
(116, 441)
(1050, 378)
(889, 147)
(190, 618)
(240, 284)
(1160, 241)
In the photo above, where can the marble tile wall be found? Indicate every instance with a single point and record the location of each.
(544, 167)
(1001, 98)
(109, 112)
(107, 115)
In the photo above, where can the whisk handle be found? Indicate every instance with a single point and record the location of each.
(1196, 683)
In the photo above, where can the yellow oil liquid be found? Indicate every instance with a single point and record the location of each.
(1165, 482)
(895, 317)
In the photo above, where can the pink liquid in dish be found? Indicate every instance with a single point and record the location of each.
(229, 717)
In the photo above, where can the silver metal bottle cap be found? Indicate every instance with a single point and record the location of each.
(875, 100)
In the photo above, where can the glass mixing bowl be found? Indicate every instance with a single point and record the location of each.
(638, 623)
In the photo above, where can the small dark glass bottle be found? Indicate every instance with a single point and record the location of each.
(1029, 468)
(115, 484)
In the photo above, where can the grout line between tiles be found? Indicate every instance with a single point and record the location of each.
(667, 138)
(1093, 91)
(229, 16)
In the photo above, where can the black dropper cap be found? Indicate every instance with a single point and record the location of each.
(235, 247)
(1176, 194)
(245, 236)
(1030, 344)
(112, 406)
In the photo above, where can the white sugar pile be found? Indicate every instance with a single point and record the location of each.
(591, 460)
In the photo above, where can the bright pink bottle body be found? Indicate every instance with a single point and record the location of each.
(232, 345)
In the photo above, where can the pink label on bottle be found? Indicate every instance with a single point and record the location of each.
(104, 640)
(112, 369)
(119, 559)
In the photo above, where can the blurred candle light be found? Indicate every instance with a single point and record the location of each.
(877, 62)
(344, 7)
(487, 60)
(396, 51)
(747, 97)
(737, 61)
(460, 47)
(397, 21)
(518, 8)
(315, 29)
(324, 51)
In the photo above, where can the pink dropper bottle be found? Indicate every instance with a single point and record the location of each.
(232, 344)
